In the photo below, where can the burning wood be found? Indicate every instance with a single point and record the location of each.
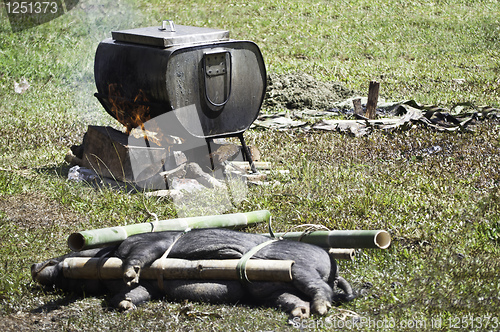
(131, 115)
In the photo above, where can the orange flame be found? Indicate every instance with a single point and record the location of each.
(130, 114)
(134, 114)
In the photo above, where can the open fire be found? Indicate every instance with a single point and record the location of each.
(177, 93)
(133, 116)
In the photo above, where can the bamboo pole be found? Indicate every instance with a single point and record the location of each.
(113, 235)
(342, 253)
(173, 268)
(341, 238)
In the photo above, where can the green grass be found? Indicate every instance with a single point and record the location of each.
(442, 209)
(414, 48)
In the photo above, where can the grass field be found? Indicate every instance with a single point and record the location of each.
(442, 209)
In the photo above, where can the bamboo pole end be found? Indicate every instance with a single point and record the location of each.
(383, 239)
(76, 241)
(341, 253)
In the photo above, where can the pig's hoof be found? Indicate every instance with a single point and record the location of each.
(126, 305)
(131, 275)
(321, 307)
(300, 312)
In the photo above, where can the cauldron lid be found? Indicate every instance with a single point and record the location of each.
(156, 36)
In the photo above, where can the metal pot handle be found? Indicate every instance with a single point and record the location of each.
(217, 66)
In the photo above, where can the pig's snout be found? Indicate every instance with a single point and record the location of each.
(45, 273)
(35, 270)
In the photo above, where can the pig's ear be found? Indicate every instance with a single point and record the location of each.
(131, 275)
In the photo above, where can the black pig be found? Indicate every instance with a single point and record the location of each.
(314, 273)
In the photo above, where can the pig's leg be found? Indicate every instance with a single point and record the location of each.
(293, 305)
(141, 250)
(310, 273)
(129, 298)
(309, 282)
(281, 295)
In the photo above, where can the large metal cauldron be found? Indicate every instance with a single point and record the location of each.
(214, 85)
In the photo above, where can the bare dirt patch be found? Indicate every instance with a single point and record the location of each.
(35, 210)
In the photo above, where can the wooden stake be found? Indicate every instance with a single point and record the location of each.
(371, 105)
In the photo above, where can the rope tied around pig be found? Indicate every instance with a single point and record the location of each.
(242, 263)
(100, 265)
(241, 266)
(164, 257)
